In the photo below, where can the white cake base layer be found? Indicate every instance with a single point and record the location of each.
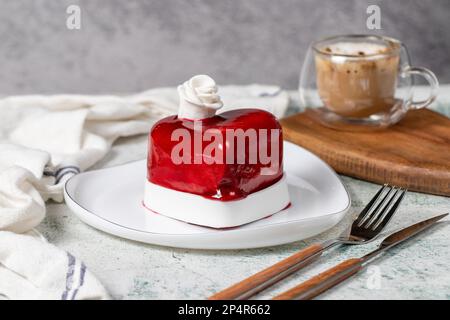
(196, 209)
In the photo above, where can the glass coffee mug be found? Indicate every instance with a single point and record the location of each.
(361, 80)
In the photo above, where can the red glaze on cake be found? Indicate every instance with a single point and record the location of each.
(222, 182)
(215, 169)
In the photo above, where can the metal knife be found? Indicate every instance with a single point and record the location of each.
(331, 277)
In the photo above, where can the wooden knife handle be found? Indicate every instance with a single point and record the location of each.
(323, 281)
(271, 275)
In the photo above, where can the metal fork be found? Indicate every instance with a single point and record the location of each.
(367, 226)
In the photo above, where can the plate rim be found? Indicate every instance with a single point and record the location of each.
(212, 231)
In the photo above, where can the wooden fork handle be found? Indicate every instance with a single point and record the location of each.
(271, 275)
(323, 281)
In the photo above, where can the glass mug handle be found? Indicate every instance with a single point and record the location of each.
(432, 81)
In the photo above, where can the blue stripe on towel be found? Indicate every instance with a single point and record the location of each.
(69, 275)
(81, 282)
(58, 172)
(61, 172)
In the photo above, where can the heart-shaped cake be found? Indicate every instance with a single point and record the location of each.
(217, 170)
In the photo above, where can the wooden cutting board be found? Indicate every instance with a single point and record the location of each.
(415, 153)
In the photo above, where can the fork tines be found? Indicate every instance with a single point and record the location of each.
(381, 208)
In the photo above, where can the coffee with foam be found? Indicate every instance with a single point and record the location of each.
(357, 79)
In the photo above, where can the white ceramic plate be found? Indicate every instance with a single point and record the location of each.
(111, 200)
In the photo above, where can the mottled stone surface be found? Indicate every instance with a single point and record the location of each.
(126, 46)
(418, 269)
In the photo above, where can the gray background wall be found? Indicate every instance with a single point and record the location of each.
(130, 45)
